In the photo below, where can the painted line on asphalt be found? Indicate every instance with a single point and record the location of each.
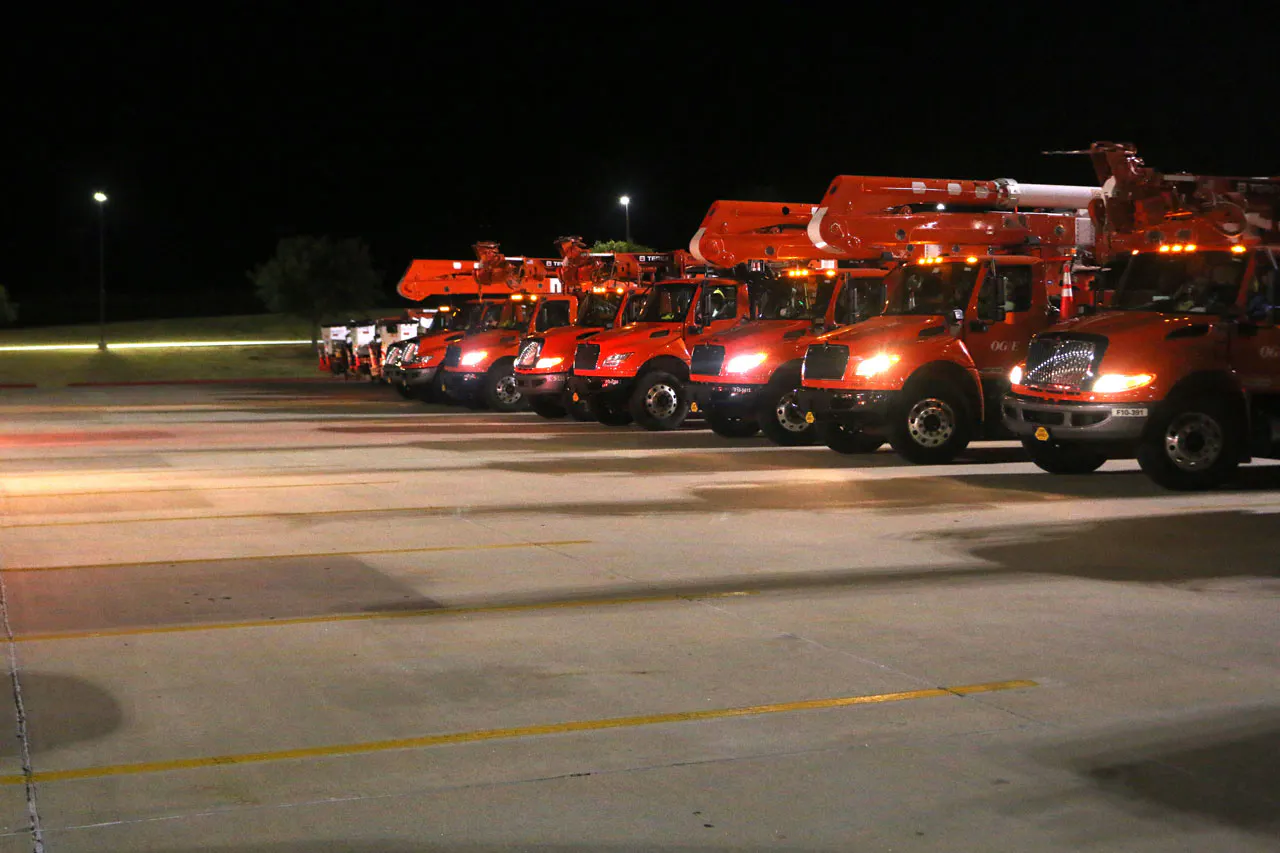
(114, 492)
(431, 510)
(369, 617)
(483, 735)
(258, 558)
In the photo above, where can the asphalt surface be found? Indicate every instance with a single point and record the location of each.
(285, 619)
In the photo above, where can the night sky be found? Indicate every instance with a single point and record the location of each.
(424, 132)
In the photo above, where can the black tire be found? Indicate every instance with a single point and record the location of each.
(1063, 458)
(929, 425)
(499, 392)
(726, 427)
(546, 407)
(659, 401)
(607, 414)
(848, 440)
(578, 409)
(782, 421)
(402, 390)
(1189, 444)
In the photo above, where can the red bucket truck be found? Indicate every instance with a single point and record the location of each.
(1182, 367)
(986, 259)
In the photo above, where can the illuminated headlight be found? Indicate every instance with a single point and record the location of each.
(474, 357)
(743, 363)
(616, 359)
(1015, 375)
(552, 361)
(1114, 383)
(876, 365)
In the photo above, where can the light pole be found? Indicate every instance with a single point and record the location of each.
(101, 198)
(625, 201)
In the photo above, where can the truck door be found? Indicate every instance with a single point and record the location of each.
(1003, 316)
(718, 308)
(1255, 347)
(554, 313)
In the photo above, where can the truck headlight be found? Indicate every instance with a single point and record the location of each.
(877, 364)
(1114, 383)
(743, 363)
(552, 361)
(616, 359)
(473, 357)
(1015, 375)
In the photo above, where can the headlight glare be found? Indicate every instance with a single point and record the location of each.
(1114, 383)
(474, 357)
(743, 363)
(877, 364)
(1015, 375)
(544, 363)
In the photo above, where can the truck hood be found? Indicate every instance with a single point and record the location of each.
(899, 328)
(1118, 323)
(758, 335)
(490, 338)
(636, 337)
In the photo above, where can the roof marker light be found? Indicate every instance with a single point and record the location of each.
(1238, 249)
(971, 260)
(1164, 248)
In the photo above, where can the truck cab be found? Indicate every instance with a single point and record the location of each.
(640, 371)
(480, 367)
(928, 373)
(419, 364)
(747, 378)
(1182, 370)
(545, 360)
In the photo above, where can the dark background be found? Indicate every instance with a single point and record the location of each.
(425, 131)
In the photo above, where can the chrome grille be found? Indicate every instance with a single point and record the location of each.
(586, 356)
(407, 353)
(825, 361)
(1055, 362)
(529, 353)
(706, 360)
(453, 356)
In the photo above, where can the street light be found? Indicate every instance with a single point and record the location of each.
(101, 198)
(625, 201)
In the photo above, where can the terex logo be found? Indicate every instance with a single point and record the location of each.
(1269, 352)
(1004, 346)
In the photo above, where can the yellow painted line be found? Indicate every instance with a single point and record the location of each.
(504, 734)
(366, 552)
(234, 515)
(366, 617)
(113, 492)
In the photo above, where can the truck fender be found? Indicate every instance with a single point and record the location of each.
(947, 371)
(1216, 383)
(668, 363)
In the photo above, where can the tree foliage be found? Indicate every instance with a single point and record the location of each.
(314, 276)
(613, 247)
(8, 310)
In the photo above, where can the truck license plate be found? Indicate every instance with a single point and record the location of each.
(1128, 413)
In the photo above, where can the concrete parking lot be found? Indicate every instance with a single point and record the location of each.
(314, 617)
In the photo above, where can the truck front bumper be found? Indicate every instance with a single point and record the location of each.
(1109, 423)
(414, 376)
(614, 389)
(462, 386)
(863, 408)
(541, 384)
(732, 401)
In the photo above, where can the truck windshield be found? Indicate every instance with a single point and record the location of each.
(791, 298)
(1198, 283)
(598, 309)
(859, 299)
(516, 316)
(668, 303)
(936, 289)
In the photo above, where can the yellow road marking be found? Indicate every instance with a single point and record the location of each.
(366, 552)
(504, 734)
(114, 492)
(365, 617)
(220, 516)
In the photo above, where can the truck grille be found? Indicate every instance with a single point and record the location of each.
(453, 356)
(1060, 362)
(529, 353)
(586, 356)
(706, 360)
(825, 361)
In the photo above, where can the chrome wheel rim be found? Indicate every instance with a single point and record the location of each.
(661, 401)
(1193, 441)
(507, 392)
(790, 415)
(931, 422)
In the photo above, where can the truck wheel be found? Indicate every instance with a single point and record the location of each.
(1188, 446)
(403, 390)
(1063, 458)
(545, 407)
(782, 420)
(500, 392)
(726, 427)
(607, 414)
(659, 401)
(930, 423)
(578, 409)
(849, 440)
